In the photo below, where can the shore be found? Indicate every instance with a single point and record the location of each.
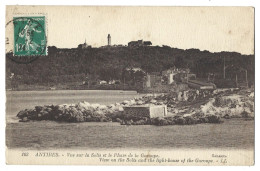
(233, 133)
(186, 107)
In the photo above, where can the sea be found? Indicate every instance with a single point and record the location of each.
(46, 135)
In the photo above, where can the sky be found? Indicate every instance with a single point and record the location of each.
(206, 28)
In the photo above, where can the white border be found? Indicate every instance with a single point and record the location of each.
(3, 166)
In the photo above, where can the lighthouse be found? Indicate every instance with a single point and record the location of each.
(108, 40)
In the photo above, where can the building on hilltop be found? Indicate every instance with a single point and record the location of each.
(84, 45)
(147, 43)
(139, 43)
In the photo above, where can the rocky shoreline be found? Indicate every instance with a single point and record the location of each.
(184, 108)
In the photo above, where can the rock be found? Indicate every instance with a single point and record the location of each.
(180, 121)
(170, 120)
(88, 118)
(180, 96)
(79, 118)
(161, 103)
(227, 116)
(121, 109)
(185, 96)
(103, 119)
(252, 95)
(22, 113)
(102, 107)
(159, 121)
(24, 119)
(139, 102)
(214, 119)
(118, 120)
(202, 120)
(48, 109)
(125, 102)
(109, 111)
(132, 102)
(153, 101)
(163, 122)
(189, 120)
(84, 105)
(112, 106)
(140, 122)
(155, 121)
(198, 121)
(129, 122)
(95, 106)
(245, 114)
(38, 108)
(122, 122)
(98, 113)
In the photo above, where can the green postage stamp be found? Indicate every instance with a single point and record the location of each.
(30, 36)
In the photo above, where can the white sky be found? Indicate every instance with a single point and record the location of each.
(206, 28)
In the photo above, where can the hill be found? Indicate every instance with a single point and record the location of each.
(72, 66)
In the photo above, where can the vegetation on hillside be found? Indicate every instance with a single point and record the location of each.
(63, 66)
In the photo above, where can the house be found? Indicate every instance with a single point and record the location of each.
(147, 43)
(177, 75)
(84, 45)
(139, 43)
(153, 79)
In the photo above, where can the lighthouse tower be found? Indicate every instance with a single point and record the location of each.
(108, 40)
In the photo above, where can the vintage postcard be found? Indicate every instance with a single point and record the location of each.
(130, 85)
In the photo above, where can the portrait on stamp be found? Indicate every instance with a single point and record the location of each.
(29, 36)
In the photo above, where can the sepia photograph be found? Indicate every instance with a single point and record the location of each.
(130, 85)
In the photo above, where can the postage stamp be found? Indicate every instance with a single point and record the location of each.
(29, 36)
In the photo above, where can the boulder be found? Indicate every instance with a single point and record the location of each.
(153, 101)
(38, 108)
(159, 121)
(84, 104)
(102, 107)
(140, 122)
(163, 122)
(104, 119)
(118, 120)
(246, 114)
(170, 120)
(139, 102)
(129, 122)
(24, 119)
(22, 113)
(180, 121)
(125, 102)
(189, 120)
(88, 118)
(111, 106)
(214, 119)
(99, 113)
(226, 116)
